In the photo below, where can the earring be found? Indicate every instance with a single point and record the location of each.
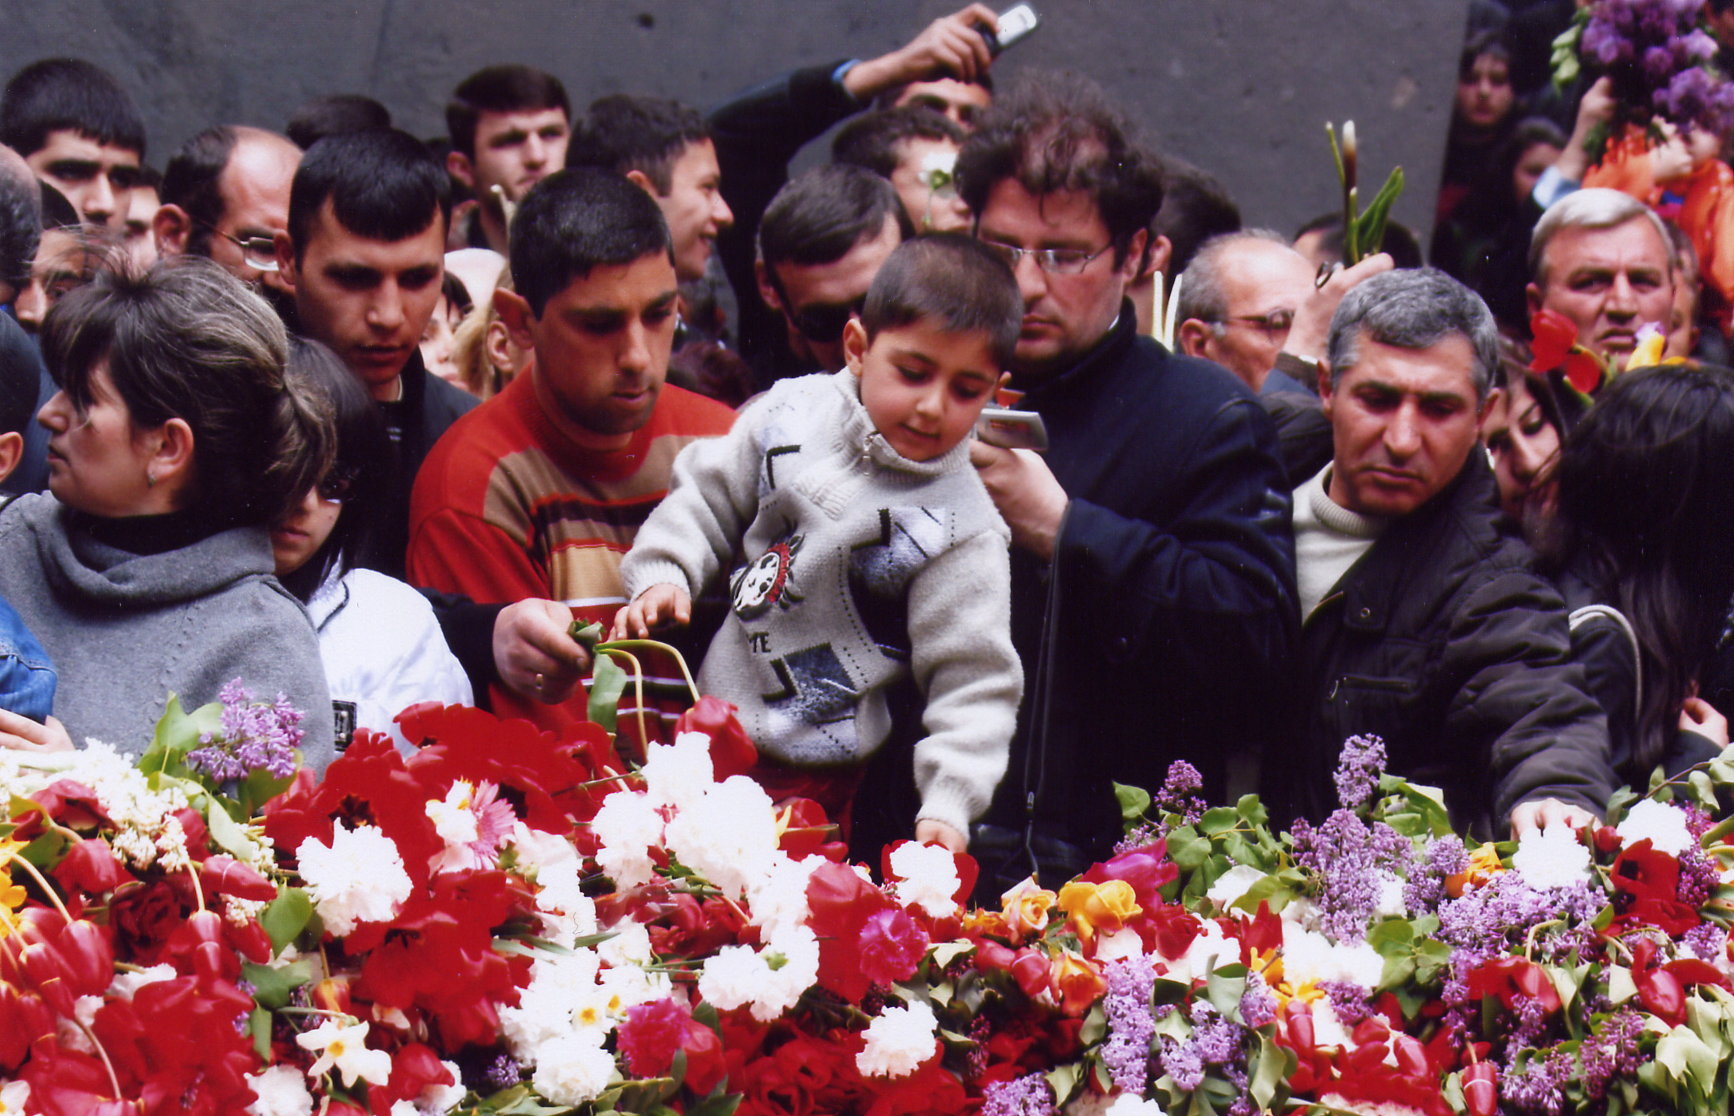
(150, 479)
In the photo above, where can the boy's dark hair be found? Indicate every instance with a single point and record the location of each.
(506, 88)
(871, 141)
(574, 220)
(1055, 131)
(952, 281)
(362, 460)
(68, 94)
(383, 184)
(191, 182)
(626, 132)
(333, 115)
(821, 214)
(18, 388)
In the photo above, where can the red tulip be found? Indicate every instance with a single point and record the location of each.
(1481, 1089)
(731, 752)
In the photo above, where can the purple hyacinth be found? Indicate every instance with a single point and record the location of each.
(1029, 1095)
(1359, 767)
(254, 736)
(1131, 1025)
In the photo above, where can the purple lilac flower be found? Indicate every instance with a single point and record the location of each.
(1484, 921)
(1352, 857)
(1443, 858)
(254, 736)
(1358, 769)
(1699, 877)
(1180, 1061)
(1707, 941)
(1539, 1086)
(1029, 1095)
(1131, 1026)
(1698, 820)
(1215, 1041)
(1179, 792)
(1348, 1000)
(1257, 1002)
(1611, 1052)
(503, 1072)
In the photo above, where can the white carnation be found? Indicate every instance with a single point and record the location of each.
(769, 981)
(359, 877)
(929, 878)
(779, 899)
(572, 1069)
(1551, 857)
(679, 774)
(1309, 956)
(630, 945)
(1210, 949)
(899, 1041)
(282, 1091)
(627, 827)
(1662, 824)
(545, 1006)
(539, 850)
(729, 836)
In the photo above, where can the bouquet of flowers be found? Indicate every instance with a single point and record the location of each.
(1658, 58)
(510, 922)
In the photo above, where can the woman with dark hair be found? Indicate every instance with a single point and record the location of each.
(1644, 545)
(382, 647)
(173, 443)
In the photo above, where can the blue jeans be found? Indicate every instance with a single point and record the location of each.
(27, 678)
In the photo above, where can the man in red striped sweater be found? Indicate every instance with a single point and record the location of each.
(540, 491)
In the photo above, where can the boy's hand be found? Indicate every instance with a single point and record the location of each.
(20, 733)
(656, 607)
(930, 832)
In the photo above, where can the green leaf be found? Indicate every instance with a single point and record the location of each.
(1187, 853)
(1371, 222)
(286, 916)
(1134, 802)
(177, 733)
(1224, 993)
(607, 682)
(1270, 1067)
(944, 953)
(1064, 1079)
(717, 1104)
(229, 833)
(273, 984)
(1219, 819)
(259, 1027)
(1252, 811)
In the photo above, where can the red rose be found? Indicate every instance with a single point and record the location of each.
(143, 917)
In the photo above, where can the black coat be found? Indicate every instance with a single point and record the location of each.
(1173, 615)
(1444, 641)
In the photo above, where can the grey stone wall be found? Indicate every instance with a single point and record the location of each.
(1241, 87)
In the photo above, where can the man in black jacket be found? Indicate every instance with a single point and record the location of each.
(1152, 566)
(1422, 621)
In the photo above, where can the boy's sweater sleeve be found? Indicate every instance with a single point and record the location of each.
(969, 674)
(694, 532)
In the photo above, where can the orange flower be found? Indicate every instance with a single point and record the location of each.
(1026, 908)
(1483, 866)
(1080, 983)
(1092, 907)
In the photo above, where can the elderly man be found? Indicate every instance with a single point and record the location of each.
(225, 195)
(1238, 298)
(1422, 621)
(1603, 259)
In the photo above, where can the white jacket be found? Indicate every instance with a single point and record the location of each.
(383, 650)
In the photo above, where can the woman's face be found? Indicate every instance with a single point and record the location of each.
(436, 342)
(97, 461)
(1536, 158)
(1484, 94)
(1524, 446)
(298, 537)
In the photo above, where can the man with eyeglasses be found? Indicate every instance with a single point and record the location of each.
(1238, 298)
(225, 196)
(821, 243)
(1153, 594)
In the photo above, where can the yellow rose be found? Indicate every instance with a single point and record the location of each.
(1026, 908)
(1094, 907)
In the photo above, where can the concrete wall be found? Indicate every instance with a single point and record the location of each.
(1241, 87)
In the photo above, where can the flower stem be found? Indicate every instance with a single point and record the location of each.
(642, 644)
(42, 881)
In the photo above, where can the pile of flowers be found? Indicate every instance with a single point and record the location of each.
(510, 922)
(1659, 60)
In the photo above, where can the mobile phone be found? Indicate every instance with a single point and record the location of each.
(1015, 24)
(1008, 429)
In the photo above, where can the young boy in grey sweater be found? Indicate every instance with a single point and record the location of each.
(862, 545)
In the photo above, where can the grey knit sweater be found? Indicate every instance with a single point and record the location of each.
(126, 630)
(852, 566)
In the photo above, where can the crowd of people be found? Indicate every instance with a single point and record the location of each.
(619, 365)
